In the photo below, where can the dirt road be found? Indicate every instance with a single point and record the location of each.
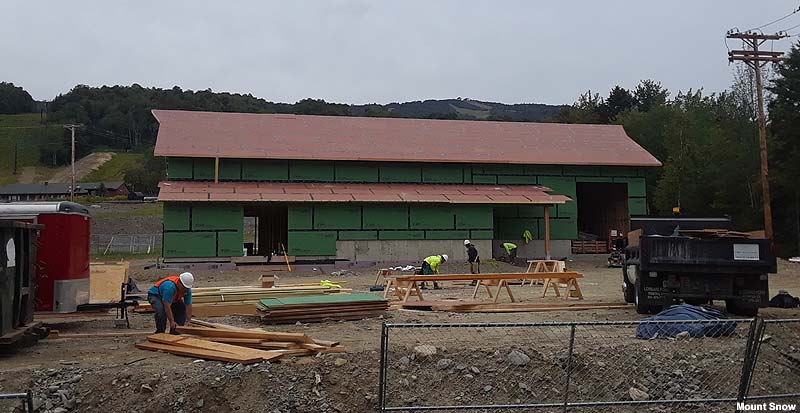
(82, 167)
(109, 374)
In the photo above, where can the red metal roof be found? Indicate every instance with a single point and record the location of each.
(276, 136)
(341, 192)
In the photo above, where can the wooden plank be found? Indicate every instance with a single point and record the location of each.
(210, 345)
(497, 276)
(105, 281)
(98, 335)
(264, 335)
(540, 309)
(198, 353)
(230, 340)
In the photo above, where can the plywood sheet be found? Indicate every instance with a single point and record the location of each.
(105, 281)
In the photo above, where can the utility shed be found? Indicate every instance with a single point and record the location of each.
(368, 189)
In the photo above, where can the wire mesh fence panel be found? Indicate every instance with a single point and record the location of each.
(584, 366)
(776, 373)
(125, 243)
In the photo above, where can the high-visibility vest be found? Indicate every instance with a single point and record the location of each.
(176, 279)
(434, 261)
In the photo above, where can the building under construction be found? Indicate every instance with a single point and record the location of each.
(374, 189)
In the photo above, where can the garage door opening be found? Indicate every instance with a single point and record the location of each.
(602, 208)
(266, 229)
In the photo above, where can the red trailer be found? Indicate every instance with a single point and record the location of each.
(62, 282)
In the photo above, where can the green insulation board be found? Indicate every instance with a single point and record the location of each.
(229, 244)
(356, 172)
(481, 234)
(204, 169)
(357, 235)
(314, 243)
(337, 216)
(400, 173)
(385, 216)
(450, 174)
(176, 216)
(516, 180)
(230, 170)
(401, 235)
(273, 303)
(311, 171)
(431, 217)
(513, 228)
(473, 216)
(561, 228)
(637, 206)
(265, 170)
(179, 168)
(300, 217)
(217, 216)
(636, 186)
(190, 244)
(459, 234)
(484, 179)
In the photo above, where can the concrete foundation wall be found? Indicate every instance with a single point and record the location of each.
(408, 250)
(535, 248)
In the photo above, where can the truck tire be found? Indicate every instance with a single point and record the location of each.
(628, 291)
(642, 308)
(741, 308)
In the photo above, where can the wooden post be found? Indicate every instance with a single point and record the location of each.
(216, 170)
(547, 232)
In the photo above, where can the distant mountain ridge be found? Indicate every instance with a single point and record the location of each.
(464, 109)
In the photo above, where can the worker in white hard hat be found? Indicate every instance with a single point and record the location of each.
(171, 300)
(430, 266)
(473, 258)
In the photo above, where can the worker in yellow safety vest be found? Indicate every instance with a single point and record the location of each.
(430, 266)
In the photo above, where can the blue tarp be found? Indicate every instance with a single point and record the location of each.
(686, 312)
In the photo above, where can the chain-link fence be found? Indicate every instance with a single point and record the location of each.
(102, 244)
(664, 366)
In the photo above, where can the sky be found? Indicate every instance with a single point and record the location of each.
(377, 51)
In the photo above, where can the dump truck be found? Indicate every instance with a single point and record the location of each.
(696, 266)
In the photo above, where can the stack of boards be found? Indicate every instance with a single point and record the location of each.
(236, 345)
(321, 307)
(223, 301)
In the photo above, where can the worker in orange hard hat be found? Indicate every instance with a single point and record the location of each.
(171, 300)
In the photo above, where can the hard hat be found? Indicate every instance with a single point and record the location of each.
(187, 279)
(466, 242)
(444, 257)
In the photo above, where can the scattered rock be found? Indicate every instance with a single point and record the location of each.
(637, 395)
(683, 335)
(60, 410)
(146, 388)
(518, 358)
(199, 404)
(475, 370)
(487, 389)
(443, 364)
(405, 360)
(425, 350)
(339, 362)
(69, 404)
(469, 376)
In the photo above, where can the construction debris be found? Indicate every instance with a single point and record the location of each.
(322, 307)
(236, 345)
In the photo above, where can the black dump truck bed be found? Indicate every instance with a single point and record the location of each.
(710, 255)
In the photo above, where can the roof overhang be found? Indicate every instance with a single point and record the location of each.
(174, 191)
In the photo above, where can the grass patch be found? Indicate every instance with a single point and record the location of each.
(30, 137)
(115, 169)
(141, 210)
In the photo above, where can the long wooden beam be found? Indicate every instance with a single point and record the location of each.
(497, 276)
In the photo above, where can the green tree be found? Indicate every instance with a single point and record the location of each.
(619, 100)
(147, 175)
(14, 99)
(585, 110)
(649, 94)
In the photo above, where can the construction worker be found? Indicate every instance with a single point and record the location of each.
(171, 299)
(430, 266)
(511, 251)
(473, 258)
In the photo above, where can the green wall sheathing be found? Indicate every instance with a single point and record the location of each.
(561, 228)
(230, 170)
(637, 206)
(190, 244)
(337, 216)
(312, 171)
(473, 216)
(516, 180)
(636, 186)
(312, 243)
(357, 235)
(530, 211)
(300, 217)
(460, 234)
(484, 179)
(179, 168)
(431, 217)
(594, 179)
(229, 244)
(176, 216)
(401, 235)
(502, 169)
(217, 216)
(548, 170)
(356, 172)
(385, 217)
(264, 170)
(618, 171)
(481, 234)
(581, 170)
(204, 169)
(400, 173)
(448, 174)
(513, 228)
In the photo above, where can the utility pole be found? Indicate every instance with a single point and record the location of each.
(72, 186)
(756, 58)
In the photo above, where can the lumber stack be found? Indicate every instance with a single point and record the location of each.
(319, 308)
(236, 345)
(223, 301)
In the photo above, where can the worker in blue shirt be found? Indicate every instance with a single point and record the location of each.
(171, 299)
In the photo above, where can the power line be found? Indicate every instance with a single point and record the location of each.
(791, 28)
(775, 21)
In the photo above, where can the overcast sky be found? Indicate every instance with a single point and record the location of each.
(362, 51)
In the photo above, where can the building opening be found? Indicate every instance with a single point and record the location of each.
(266, 229)
(602, 213)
